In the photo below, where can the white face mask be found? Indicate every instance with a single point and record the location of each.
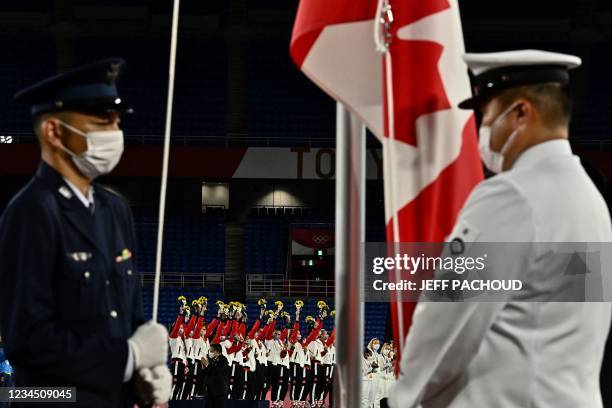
(494, 160)
(376, 346)
(104, 150)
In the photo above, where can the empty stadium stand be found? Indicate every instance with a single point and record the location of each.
(193, 245)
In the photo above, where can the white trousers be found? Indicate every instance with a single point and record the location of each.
(366, 385)
(375, 393)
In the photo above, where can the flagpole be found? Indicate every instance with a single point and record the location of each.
(166, 155)
(349, 272)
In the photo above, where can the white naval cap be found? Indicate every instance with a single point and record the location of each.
(495, 71)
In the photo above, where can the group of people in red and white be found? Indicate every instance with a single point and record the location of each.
(270, 360)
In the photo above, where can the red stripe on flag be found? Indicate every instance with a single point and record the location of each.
(314, 15)
(432, 215)
(418, 88)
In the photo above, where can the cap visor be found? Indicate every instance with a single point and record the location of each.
(471, 103)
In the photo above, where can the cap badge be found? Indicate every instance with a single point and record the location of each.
(112, 73)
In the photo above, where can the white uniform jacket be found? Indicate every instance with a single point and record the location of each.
(509, 353)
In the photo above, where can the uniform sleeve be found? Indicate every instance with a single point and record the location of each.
(270, 330)
(294, 332)
(234, 348)
(444, 337)
(198, 328)
(263, 333)
(284, 333)
(211, 326)
(176, 326)
(254, 329)
(192, 322)
(37, 341)
(314, 333)
(332, 338)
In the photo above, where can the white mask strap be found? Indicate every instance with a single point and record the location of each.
(70, 127)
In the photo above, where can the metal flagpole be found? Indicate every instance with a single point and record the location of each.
(164, 177)
(349, 267)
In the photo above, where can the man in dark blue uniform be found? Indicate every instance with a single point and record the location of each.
(70, 297)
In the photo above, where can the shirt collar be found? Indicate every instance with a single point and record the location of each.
(87, 201)
(542, 151)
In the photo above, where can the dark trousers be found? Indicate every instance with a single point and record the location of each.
(244, 385)
(319, 382)
(235, 370)
(300, 381)
(193, 381)
(280, 382)
(260, 388)
(248, 385)
(329, 372)
(178, 379)
(330, 369)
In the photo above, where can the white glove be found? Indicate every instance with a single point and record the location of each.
(159, 380)
(149, 345)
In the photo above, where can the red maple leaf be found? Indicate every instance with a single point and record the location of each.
(418, 88)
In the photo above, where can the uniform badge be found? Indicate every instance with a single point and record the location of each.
(457, 246)
(123, 256)
(112, 73)
(80, 256)
(65, 192)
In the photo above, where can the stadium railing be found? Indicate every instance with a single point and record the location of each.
(212, 281)
(270, 285)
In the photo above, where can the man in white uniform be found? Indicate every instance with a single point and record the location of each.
(513, 353)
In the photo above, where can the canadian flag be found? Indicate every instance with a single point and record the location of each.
(407, 96)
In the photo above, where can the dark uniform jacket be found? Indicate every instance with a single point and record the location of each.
(217, 377)
(69, 290)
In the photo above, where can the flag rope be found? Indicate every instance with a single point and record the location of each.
(393, 190)
(164, 178)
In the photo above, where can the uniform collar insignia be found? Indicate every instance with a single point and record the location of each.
(65, 191)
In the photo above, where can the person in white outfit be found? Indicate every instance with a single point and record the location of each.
(178, 359)
(377, 363)
(386, 370)
(523, 350)
(200, 349)
(367, 372)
